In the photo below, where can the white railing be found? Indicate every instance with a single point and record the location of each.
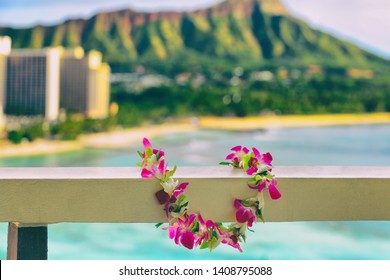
(31, 198)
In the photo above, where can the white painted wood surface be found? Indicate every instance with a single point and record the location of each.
(316, 193)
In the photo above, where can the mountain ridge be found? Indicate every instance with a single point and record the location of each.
(233, 30)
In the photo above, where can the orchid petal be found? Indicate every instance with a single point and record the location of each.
(159, 152)
(251, 170)
(209, 223)
(161, 167)
(242, 215)
(182, 186)
(145, 173)
(190, 219)
(237, 204)
(256, 153)
(172, 232)
(230, 242)
(187, 239)
(200, 219)
(262, 185)
(236, 149)
(230, 156)
(162, 197)
(267, 158)
(177, 236)
(274, 192)
(246, 150)
(146, 143)
(254, 187)
(180, 189)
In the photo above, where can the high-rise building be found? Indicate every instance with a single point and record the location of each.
(40, 82)
(98, 86)
(32, 83)
(84, 83)
(5, 49)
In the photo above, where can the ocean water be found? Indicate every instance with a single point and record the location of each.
(365, 145)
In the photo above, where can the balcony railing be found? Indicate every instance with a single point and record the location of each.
(32, 198)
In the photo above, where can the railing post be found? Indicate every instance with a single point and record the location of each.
(27, 242)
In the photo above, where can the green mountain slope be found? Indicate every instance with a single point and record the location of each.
(234, 30)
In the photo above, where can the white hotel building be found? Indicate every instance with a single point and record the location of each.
(40, 82)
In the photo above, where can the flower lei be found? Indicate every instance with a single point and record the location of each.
(191, 230)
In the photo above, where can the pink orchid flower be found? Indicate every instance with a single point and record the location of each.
(204, 229)
(168, 200)
(229, 239)
(257, 160)
(155, 171)
(233, 242)
(270, 185)
(148, 145)
(244, 214)
(180, 232)
(238, 155)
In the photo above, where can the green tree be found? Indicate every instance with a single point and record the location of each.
(15, 136)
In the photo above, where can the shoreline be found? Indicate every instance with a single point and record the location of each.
(275, 121)
(125, 137)
(111, 139)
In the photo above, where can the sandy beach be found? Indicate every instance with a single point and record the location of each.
(112, 139)
(125, 137)
(122, 138)
(38, 147)
(273, 121)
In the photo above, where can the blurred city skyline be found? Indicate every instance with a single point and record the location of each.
(363, 22)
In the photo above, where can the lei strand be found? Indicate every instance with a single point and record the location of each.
(191, 230)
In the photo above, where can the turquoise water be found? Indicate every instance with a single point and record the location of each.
(366, 145)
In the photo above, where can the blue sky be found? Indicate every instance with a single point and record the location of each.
(365, 22)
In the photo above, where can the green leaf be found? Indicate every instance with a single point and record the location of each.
(195, 227)
(213, 243)
(263, 171)
(252, 182)
(184, 205)
(148, 152)
(246, 160)
(170, 173)
(259, 214)
(246, 203)
(225, 163)
(181, 199)
(204, 245)
(158, 225)
(215, 234)
(140, 154)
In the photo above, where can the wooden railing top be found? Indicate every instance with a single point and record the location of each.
(118, 194)
(22, 173)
